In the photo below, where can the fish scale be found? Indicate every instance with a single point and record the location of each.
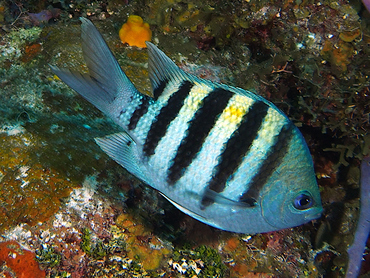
(276, 152)
(258, 151)
(199, 127)
(176, 131)
(223, 155)
(145, 122)
(140, 110)
(237, 146)
(166, 115)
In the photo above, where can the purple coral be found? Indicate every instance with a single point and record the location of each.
(44, 16)
(367, 4)
(355, 251)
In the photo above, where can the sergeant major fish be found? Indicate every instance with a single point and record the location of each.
(223, 155)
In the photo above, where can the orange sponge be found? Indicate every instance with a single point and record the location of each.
(135, 31)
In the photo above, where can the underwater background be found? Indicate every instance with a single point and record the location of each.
(67, 210)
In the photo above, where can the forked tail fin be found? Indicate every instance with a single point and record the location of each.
(105, 81)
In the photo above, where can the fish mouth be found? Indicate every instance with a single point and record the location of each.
(317, 213)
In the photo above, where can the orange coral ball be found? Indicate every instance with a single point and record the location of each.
(135, 32)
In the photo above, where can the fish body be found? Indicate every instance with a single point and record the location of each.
(223, 155)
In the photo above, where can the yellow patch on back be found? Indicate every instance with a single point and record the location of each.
(237, 108)
(232, 115)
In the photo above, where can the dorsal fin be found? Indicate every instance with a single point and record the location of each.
(162, 70)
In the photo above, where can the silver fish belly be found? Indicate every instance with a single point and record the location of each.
(223, 155)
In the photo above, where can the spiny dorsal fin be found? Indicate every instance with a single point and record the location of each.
(162, 70)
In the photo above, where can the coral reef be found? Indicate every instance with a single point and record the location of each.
(29, 192)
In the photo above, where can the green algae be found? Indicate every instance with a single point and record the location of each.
(48, 257)
(212, 259)
(202, 261)
(97, 249)
(86, 244)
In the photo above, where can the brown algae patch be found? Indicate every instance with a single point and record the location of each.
(29, 192)
(141, 244)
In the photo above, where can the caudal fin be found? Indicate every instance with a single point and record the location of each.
(105, 81)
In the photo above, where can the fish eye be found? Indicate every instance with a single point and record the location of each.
(303, 201)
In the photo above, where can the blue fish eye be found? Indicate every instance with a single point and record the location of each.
(303, 201)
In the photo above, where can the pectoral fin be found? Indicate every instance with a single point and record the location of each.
(121, 148)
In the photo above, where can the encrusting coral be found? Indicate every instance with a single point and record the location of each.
(18, 262)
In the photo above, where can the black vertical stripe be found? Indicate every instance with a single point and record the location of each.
(159, 89)
(236, 148)
(140, 110)
(199, 127)
(269, 165)
(167, 114)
